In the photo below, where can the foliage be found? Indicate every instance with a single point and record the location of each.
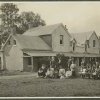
(29, 20)
(10, 18)
(64, 60)
(60, 59)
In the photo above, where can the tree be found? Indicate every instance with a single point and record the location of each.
(9, 19)
(9, 14)
(64, 60)
(29, 20)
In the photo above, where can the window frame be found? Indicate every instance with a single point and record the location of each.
(88, 45)
(71, 43)
(61, 39)
(73, 46)
(94, 43)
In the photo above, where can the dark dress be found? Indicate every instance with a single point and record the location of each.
(42, 72)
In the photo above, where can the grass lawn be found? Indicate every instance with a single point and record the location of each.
(36, 87)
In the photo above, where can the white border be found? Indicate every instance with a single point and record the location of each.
(49, 2)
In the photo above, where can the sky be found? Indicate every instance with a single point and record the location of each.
(79, 16)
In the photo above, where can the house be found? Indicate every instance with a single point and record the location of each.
(27, 51)
(87, 44)
(88, 39)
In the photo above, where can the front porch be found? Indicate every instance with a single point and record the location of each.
(32, 61)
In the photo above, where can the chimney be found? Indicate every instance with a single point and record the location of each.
(66, 27)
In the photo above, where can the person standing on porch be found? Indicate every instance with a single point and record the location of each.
(69, 62)
(72, 67)
(97, 64)
(52, 62)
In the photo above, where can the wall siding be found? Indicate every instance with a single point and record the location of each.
(13, 56)
(92, 49)
(47, 39)
(65, 47)
(80, 49)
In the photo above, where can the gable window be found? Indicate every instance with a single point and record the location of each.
(14, 42)
(85, 47)
(94, 43)
(29, 61)
(88, 43)
(61, 39)
(71, 43)
(9, 42)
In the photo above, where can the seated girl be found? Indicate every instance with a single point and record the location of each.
(42, 71)
(62, 72)
(68, 74)
(83, 73)
(50, 73)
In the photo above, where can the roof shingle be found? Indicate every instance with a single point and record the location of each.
(42, 30)
(32, 42)
(82, 37)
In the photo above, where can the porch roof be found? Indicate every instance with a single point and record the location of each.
(82, 55)
(39, 53)
(48, 53)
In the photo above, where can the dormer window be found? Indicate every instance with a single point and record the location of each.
(71, 43)
(88, 43)
(14, 42)
(61, 39)
(74, 46)
(94, 43)
(85, 47)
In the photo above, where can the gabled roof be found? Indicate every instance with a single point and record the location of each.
(82, 37)
(31, 42)
(42, 30)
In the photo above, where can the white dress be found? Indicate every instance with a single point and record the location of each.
(84, 71)
(68, 74)
(61, 72)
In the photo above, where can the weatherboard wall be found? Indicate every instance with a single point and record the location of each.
(92, 49)
(56, 46)
(13, 56)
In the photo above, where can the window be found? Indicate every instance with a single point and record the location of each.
(88, 43)
(61, 39)
(94, 43)
(86, 47)
(73, 46)
(14, 42)
(29, 61)
(71, 43)
(9, 42)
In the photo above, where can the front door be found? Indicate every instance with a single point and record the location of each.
(27, 64)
